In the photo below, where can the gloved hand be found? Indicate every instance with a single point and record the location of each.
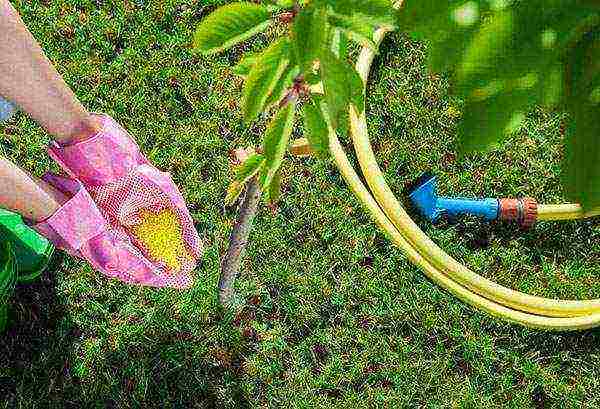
(79, 228)
(140, 203)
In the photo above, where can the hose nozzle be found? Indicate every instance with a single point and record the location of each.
(424, 197)
(522, 211)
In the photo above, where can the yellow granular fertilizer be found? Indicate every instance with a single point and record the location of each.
(161, 236)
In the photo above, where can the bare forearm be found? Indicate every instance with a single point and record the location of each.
(28, 78)
(22, 193)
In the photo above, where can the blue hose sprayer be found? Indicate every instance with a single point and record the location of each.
(424, 197)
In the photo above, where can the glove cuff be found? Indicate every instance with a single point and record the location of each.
(103, 158)
(76, 222)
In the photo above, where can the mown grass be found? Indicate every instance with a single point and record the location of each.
(330, 313)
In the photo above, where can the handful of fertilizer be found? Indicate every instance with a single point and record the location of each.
(161, 236)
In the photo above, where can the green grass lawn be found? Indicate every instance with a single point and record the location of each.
(330, 313)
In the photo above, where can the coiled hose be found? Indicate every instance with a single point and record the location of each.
(440, 267)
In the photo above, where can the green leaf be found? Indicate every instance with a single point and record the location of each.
(508, 36)
(552, 86)
(243, 173)
(490, 119)
(246, 64)
(249, 168)
(355, 29)
(506, 56)
(581, 173)
(580, 170)
(234, 191)
(339, 44)
(282, 86)
(308, 34)
(276, 141)
(342, 85)
(230, 25)
(274, 192)
(510, 64)
(483, 52)
(375, 12)
(447, 26)
(317, 131)
(527, 39)
(263, 78)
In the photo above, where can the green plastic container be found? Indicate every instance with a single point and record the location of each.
(32, 251)
(8, 279)
(24, 255)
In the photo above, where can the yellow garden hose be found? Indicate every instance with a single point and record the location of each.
(491, 307)
(564, 212)
(440, 267)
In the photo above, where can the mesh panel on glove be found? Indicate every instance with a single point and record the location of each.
(126, 204)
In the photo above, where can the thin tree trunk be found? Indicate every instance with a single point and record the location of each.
(237, 243)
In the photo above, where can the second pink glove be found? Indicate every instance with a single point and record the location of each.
(79, 228)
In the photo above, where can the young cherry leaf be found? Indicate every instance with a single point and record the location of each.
(282, 86)
(230, 25)
(447, 26)
(264, 76)
(519, 45)
(489, 120)
(308, 35)
(317, 132)
(355, 29)
(582, 88)
(276, 142)
(246, 64)
(286, 80)
(249, 169)
(243, 173)
(274, 191)
(371, 12)
(234, 190)
(342, 86)
(506, 57)
(528, 42)
(484, 39)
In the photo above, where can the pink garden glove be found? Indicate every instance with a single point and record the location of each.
(79, 228)
(142, 204)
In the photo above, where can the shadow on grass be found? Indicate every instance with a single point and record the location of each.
(35, 317)
(561, 241)
(37, 365)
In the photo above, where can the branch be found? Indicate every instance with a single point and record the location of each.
(237, 242)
